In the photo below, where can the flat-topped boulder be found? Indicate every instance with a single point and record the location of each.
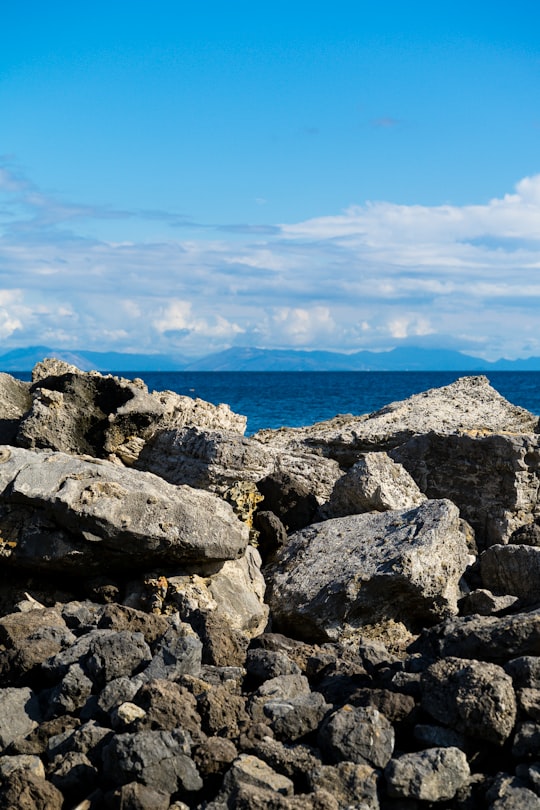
(61, 512)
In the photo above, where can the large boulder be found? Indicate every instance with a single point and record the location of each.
(101, 415)
(335, 577)
(63, 513)
(493, 478)
(15, 401)
(469, 405)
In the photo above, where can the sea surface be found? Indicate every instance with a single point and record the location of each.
(273, 399)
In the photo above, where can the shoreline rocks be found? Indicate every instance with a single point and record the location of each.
(343, 616)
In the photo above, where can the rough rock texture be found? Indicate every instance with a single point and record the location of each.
(336, 576)
(473, 697)
(15, 401)
(469, 405)
(375, 482)
(493, 478)
(513, 570)
(78, 412)
(357, 734)
(433, 775)
(65, 513)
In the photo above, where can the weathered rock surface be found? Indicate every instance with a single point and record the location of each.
(374, 483)
(433, 775)
(334, 577)
(469, 405)
(15, 401)
(60, 512)
(513, 570)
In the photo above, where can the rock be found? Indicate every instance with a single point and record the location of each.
(351, 784)
(485, 603)
(74, 775)
(223, 714)
(261, 664)
(290, 499)
(513, 570)
(528, 701)
(20, 713)
(297, 762)
(526, 741)
(430, 736)
(167, 706)
(226, 608)
(158, 759)
(29, 763)
(249, 770)
(24, 791)
(89, 739)
(125, 715)
(178, 653)
(525, 671)
(493, 478)
(469, 405)
(115, 655)
(215, 755)
(374, 483)
(121, 617)
(357, 734)
(78, 412)
(295, 718)
(135, 796)
(66, 513)
(71, 693)
(15, 401)
(334, 577)
(509, 793)
(205, 459)
(453, 690)
(433, 775)
(485, 638)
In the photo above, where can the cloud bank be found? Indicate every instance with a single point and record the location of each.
(370, 277)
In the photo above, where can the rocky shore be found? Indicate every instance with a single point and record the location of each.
(342, 616)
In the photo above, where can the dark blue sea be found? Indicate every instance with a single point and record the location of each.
(272, 399)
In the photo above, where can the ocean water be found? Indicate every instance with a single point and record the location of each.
(275, 399)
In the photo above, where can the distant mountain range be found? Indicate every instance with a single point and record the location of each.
(404, 358)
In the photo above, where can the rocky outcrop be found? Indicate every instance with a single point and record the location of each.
(373, 659)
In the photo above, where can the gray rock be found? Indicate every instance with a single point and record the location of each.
(466, 406)
(89, 739)
(297, 762)
(116, 692)
(486, 638)
(334, 577)
(30, 763)
(223, 713)
(64, 513)
(528, 701)
(357, 734)
(205, 459)
(74, 774)
(250, 770)
(77, 412)
(284, 687)
(167, 706)
(512, 570)
(453, 689)
(351, 784)
(19, 714)
(485, 603)
(433, 775)
(430, 736)
(70, 694)
(493, 478)
(178, 653)
(525, 671)
(264, 664)
(115, 655)
(158, 759)
(295, 718)
(509, 793)
(15, 401)
(526, 741)
(57, 666)
(374, 483)
(135, 796)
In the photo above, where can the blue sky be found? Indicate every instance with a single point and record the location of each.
(183, 177)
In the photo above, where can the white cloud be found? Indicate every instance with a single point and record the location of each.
(368, 277)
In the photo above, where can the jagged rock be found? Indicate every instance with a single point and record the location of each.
(178, 653)
(430, 736)
(167, 706)
(158, 759)
(70, 694)
(290, 499)
(433, 775)
(225, 607)
(528, 701)
(295, 718)
(79, 412)
(525, 671)
(250, 772)
(509, 793)
(297, 762)
(64, 513)
(526, 741)
(125, 716)
(454, 688)
(223, 714)
(30, 763)
(395, 706)
(213, 460)
(493, 478)
(357, 734)
(74, 775)
(116, 654)
(261, 664)
(513, 570)
(469, 405)
(374, 483)
(336, 576)
(15, 401)
(135, 796)
(24, 791)
(351, 784)
(485, 638)
(20, 713)
(485, 603)
(89, 739)
(122, 617)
